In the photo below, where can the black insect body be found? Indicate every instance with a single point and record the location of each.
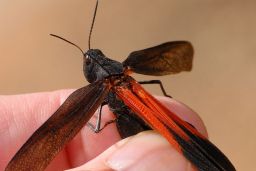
(127, 122)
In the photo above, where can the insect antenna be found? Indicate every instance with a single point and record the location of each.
(67, 42)
(93, 21)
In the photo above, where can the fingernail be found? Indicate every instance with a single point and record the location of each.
(147, 151)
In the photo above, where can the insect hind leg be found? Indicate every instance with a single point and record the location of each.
(156, 82)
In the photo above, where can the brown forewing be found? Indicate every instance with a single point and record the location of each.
(167, 58)
(59, 129)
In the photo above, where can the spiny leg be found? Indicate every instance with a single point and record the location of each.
(156, 82)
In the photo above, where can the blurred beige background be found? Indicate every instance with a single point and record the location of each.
(221, 87)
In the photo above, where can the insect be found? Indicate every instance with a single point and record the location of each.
(135, 109)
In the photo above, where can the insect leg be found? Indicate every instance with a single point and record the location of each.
(156, 82)
(106, 124)
(97, 128)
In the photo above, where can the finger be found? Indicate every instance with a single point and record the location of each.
(185, 112)
(21, 115)
(148, 150)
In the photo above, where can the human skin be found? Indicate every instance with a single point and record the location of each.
(21, 115)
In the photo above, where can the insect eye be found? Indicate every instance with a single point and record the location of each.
(88, 60)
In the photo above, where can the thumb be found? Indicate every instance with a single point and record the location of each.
(145, 151)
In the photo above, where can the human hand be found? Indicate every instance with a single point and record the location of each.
(21, 115)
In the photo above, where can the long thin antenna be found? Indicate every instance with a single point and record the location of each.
(93, 20)
(68, 42)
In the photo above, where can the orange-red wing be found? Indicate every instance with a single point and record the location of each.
(184, 137)
(164, 114)
(145, 113)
